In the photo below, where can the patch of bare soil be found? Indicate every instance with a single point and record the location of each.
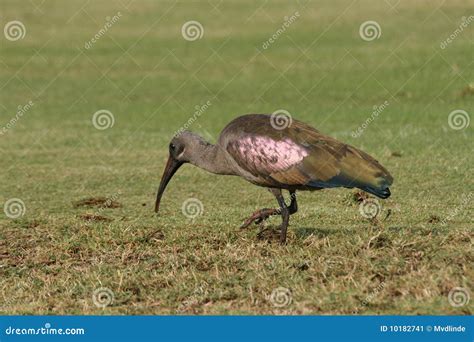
(102, 202)
(93, 217)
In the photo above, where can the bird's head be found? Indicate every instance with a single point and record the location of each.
(183, 148)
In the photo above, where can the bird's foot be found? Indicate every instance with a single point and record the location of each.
(259, 216)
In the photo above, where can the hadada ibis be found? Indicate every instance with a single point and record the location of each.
(296, 157)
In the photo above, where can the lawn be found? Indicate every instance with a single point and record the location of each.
(78, 234)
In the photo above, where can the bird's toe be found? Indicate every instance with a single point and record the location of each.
(258, 217)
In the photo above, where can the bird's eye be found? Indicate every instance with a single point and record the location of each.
(172, 146)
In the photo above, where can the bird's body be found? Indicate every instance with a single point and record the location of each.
(294, 157)
(298, 157)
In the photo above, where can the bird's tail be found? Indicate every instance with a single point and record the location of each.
(366, 173)
(379, 192)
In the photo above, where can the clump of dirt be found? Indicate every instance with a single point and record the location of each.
(102, 202)
(359, 196)
(33, 224)
(404, 94)
(355, 198)
(301, 266)
(268, 234)
(95, 218)
(468, 90)
(434, 219)
(155, 234)
(380, 241)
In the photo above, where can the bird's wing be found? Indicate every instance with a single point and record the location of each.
(265, 157)
(299, 155)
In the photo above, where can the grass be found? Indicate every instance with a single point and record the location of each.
(56, 255)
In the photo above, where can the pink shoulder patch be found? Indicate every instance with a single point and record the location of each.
(265, 155)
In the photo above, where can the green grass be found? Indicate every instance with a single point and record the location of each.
(320, 70)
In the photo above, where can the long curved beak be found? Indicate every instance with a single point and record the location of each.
(171, 167)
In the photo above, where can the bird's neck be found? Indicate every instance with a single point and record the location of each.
(212, 159)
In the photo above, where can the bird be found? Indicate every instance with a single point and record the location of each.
(279, 153)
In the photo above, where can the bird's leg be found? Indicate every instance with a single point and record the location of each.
(261, 215)
(284, 211)
(293, 207)
(285, 214)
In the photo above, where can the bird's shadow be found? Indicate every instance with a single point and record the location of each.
(304, 232)
(273, 233)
